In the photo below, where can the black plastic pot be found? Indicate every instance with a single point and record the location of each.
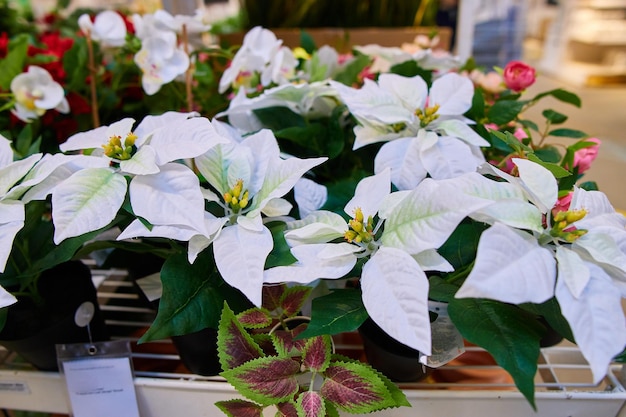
(551, 337)
(32, 332)
(395, 360)
(198, 352)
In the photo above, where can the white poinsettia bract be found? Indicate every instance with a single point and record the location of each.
(161, 189)
(580, 259)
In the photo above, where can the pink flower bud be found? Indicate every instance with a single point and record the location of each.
(518, 76)
(520, 133)
(585, 156)
(562, 203)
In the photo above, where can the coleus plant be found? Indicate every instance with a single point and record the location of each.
(298, 375)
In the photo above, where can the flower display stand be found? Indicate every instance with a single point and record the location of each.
(343, 39)
(463, 387)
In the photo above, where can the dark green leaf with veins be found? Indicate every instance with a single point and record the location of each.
(337, 312)
(510, 334)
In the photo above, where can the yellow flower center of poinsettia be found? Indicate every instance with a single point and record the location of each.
(236, 198)
(398, 127)
(358, 230)
(428, 115)
(562, 227)
(121, 151)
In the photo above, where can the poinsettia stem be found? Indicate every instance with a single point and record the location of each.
(95, 117)
(189, 72)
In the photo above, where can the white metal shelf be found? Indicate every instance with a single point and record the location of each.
(563, 382)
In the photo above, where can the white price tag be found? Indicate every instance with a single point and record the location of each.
(101, 387)
(99, 379)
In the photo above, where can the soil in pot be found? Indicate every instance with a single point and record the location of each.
(33, 332)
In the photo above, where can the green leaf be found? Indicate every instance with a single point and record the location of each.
(307, 42)
(441, 290)
(549, 154)
(504, 111)
(279, 117)
(512, 141)
(568, 133)
(477, 111)
(460, 248)
(589, 186)
(562, 95)
(529, 124)
(197, 304)
(510, 334)
(240, 408)
(13, 63)
(555, 169)
(350, 73)
(269, 380)
(411, 69)
(551, 312)
(281, 253)
(355, 388)
(235, 345)
(75, 65)
(340, 311)
(24, 141)
(582, 144)
(554, 117)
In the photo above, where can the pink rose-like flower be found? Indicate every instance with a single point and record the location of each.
(518, 76)
(585, 156)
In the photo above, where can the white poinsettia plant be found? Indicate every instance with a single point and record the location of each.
(397, 175)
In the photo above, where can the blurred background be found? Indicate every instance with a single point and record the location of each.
(579, 45)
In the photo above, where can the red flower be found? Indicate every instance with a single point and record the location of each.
(4, 44)
(518, 76)
(56, 46)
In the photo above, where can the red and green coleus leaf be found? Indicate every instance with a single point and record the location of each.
(285, 343)
(331, 410)
(268, 380)
(255, 318)
(293, 299)
(235, 345)
(287, 409)
(266, 343)
(395, 392)
(317, 353)
(311, 404)
(355, 387)
(271, 296)
(240, 408)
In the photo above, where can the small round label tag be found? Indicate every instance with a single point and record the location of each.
(84, 314)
